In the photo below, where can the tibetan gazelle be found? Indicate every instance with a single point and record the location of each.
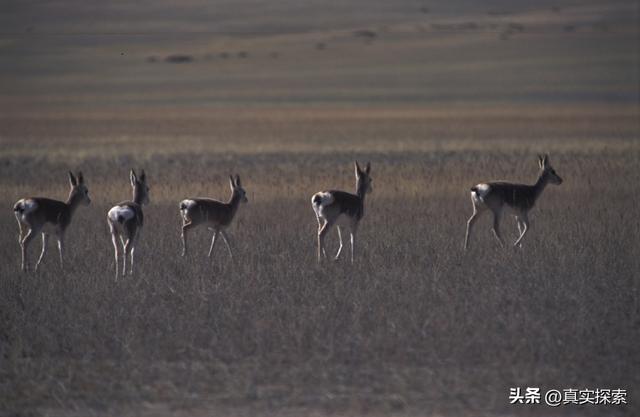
(216, 215)
(342, 209)
(46, 216)
(126, 220)
(517, 197)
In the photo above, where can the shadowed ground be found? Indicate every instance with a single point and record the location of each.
(416, 326)
(438, 98)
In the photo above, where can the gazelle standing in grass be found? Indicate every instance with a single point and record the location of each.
(216, 215)
(126, 220)
(342, 209)
(46, 216)
(517, 197)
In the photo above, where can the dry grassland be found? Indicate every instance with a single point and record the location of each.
(415, 327)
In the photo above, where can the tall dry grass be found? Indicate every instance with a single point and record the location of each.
(415, 327)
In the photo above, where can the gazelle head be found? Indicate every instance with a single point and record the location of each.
(363, 180)
(548, 173)
(236, 188)
(79, 191)
(140, 187)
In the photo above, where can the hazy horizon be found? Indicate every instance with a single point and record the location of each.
(91, 55)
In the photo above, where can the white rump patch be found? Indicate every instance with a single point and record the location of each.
(482, 190)
(28, 205)
(185, 207)
(123, 213)
(326, 198)
(187, 204)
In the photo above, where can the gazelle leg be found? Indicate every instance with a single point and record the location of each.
(226, 241)
(61, 249)
(20, 229)
(23, 245)
(525, 224)
(470, 224)
(519, 224)
(213, 242)
(44, 250)
(321, 234)
(496, 227)
(131, 252)
(185, 228)
(320, 226)
(340, 248)
(127, 252)
(116, 249)
(130, 247)
(353, 243)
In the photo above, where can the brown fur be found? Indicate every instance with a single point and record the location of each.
(519, 197)
(344, 204)
(215, 214)
(129, 229)
(49, 212)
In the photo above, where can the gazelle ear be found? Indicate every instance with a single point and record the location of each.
(540, 159)
(238, 180)
(367, 170)
(357, 168)
(72, 179)
(80, 178)
(133, 177)
(545, 160)
(143, 176)
(231, 182)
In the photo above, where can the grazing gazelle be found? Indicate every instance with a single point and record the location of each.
(217, 216)
(341, 208)
(126, 219)
(46, 216)
(518, 197)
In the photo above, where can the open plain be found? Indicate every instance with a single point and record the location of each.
(416, 326)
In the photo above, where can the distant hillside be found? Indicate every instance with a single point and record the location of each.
(90, 54)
